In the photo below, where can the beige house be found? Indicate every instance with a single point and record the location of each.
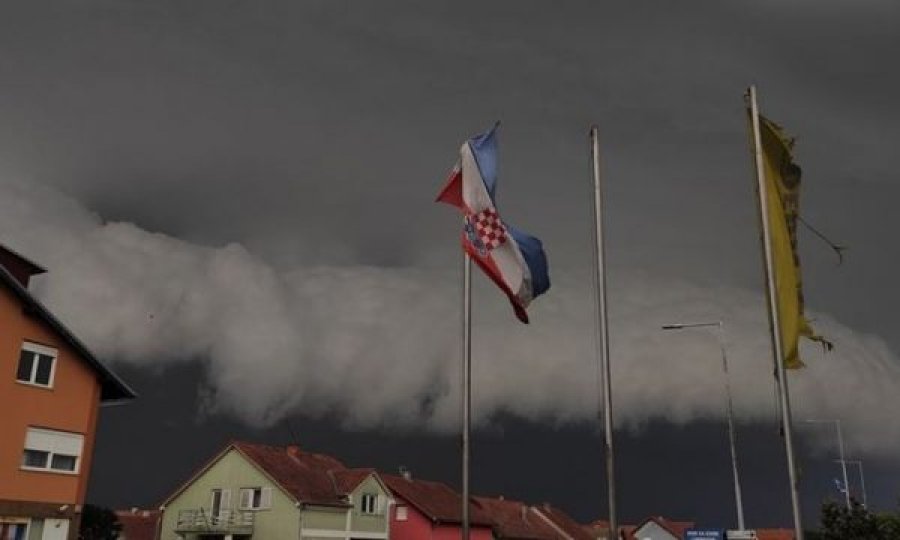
(251, 491)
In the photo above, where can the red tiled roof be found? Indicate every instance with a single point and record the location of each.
(436, 501)
(513, 520)
(598, 528)
(138, 525)
(307, 477)
(347, 480)
(562, 520)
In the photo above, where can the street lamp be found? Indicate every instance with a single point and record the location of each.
(840, 441)
(862, 479)
(730, 413)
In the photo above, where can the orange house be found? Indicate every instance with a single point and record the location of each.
(50, 389)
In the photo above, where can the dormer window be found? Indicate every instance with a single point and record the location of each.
(369, 503)
(37, 365)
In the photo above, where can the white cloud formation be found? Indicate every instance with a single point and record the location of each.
(378, 345)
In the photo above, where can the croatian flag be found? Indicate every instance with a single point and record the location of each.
(514, 260)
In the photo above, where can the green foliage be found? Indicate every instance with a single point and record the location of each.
(889, 524)
(857, 523)
(98, 523)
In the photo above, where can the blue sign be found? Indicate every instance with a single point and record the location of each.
(716, 534)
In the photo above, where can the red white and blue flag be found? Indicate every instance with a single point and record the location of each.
(514, 260)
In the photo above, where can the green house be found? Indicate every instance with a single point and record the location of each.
(252, 491)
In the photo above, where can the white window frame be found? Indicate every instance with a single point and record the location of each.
(37, 349)
(65, 444)
(248, 495)
(368, 504)
(402, 512)
(18, 521)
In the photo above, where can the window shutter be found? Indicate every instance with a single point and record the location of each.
(226, 500)
(266, 499)
(246, 498)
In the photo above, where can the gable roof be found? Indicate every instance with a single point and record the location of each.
(675, 528)
(306, 477)
(435, 500)
(564, 522)
(514, 520)
(347, 480)
(19, 266)
(112, 388)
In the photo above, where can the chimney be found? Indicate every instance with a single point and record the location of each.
(18, 266)
(405, 473)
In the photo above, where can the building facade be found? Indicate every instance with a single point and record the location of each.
(50, 389)
(252, 491)
(432, 510)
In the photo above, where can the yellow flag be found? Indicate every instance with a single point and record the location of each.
(782, 178)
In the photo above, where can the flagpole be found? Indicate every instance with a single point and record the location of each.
(466, 388)
(603, 333)
(774, 319)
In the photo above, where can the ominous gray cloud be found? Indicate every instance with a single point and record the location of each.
(378, 345)
(287, 155)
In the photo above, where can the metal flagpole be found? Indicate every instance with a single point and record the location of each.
(466, 388)
(603, 333)
(840, 436)
(774, 319)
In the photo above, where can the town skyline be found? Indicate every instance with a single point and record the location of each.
(235, 201)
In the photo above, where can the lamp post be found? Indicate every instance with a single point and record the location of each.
(738, 501)
(840, 441)
(862, 479)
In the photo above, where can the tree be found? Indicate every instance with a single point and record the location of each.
(98, 523)
(856, 523)
(889, 524)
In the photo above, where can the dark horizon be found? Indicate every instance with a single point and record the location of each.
(686, 467)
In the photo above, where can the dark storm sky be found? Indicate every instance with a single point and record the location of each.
(234, 201)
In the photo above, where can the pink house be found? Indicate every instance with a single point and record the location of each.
(431, 510)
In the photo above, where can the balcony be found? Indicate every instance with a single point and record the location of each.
(202, 520)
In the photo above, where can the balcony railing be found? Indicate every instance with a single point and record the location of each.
(203, 520)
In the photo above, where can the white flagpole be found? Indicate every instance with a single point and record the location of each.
(774, 319)
(466, 388)
(603, 332)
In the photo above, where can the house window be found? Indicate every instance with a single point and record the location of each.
(256, 498)
(15, 530)
(49, 450)
(402, 513)
(37, 365)
(369, 503)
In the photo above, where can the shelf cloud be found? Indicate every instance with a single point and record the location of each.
(379, 345)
